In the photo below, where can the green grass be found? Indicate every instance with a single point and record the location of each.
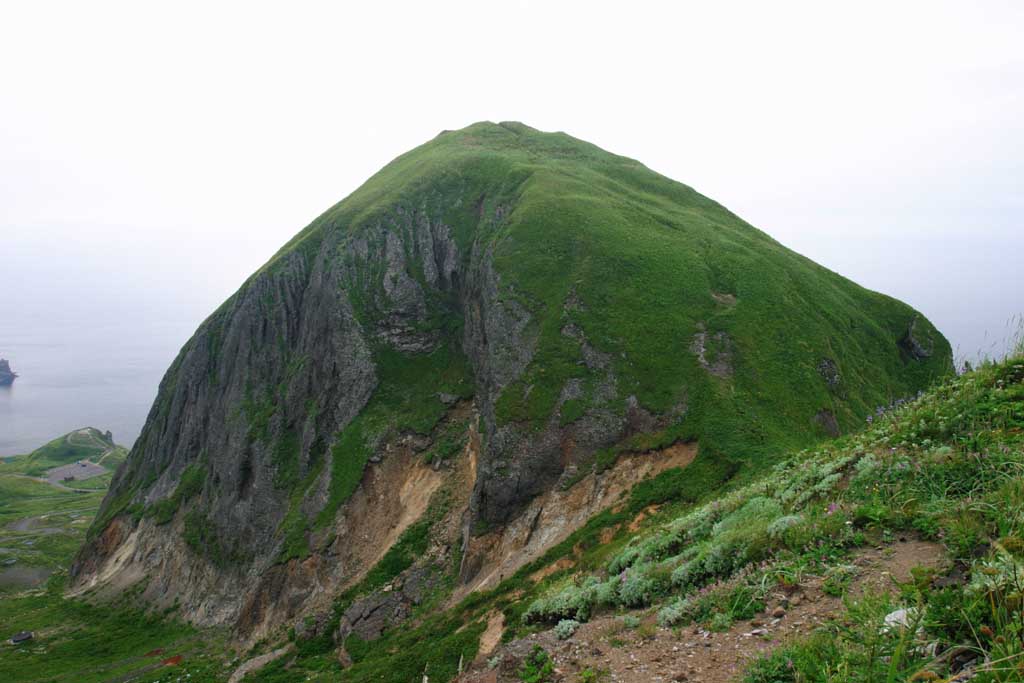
(75, 640)
(63, 516)
(85, 643)
(189, 485)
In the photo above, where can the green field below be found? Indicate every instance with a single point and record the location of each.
(42, 525)
(77, 642)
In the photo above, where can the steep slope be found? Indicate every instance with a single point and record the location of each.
(498, 324)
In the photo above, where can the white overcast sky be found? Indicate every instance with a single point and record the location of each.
(154, 154)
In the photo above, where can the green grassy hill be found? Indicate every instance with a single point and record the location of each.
(87, 443)
(588, 305)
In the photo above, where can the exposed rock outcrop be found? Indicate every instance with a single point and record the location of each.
(7, 375)
(918, 343)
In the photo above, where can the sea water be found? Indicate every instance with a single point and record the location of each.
(94, 373)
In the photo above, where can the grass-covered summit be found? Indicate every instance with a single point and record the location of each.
(526, 296)
(692, 309)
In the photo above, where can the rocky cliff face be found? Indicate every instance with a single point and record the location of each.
(496, 317)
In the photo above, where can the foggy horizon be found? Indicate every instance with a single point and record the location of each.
(519, 342)
(152, 160)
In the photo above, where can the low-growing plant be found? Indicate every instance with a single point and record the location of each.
(838, 579)
(592, 676)
(674, 613)
(630, 621)
(566, 628)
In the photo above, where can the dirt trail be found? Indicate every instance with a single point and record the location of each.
(491, 637)
(653, 655)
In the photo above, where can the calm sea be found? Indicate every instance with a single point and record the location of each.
(100, 374)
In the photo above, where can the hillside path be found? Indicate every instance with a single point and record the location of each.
(661, 655)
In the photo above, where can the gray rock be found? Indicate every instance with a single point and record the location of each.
(917, 343)
(829, 372)
(714, 352)
(370, 616)
(7, 376)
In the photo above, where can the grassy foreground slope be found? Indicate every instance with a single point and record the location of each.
(79, 642)
(41, 527)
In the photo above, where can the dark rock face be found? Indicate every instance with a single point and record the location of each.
(290, 329)
(369, 617)
(7, 375)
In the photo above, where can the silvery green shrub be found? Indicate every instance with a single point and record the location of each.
(565, 628)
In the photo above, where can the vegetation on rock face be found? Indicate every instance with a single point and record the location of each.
(580, 297)
(589, 307)
(189, 486)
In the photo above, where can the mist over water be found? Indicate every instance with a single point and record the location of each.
(74, 375)
(93, 317)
